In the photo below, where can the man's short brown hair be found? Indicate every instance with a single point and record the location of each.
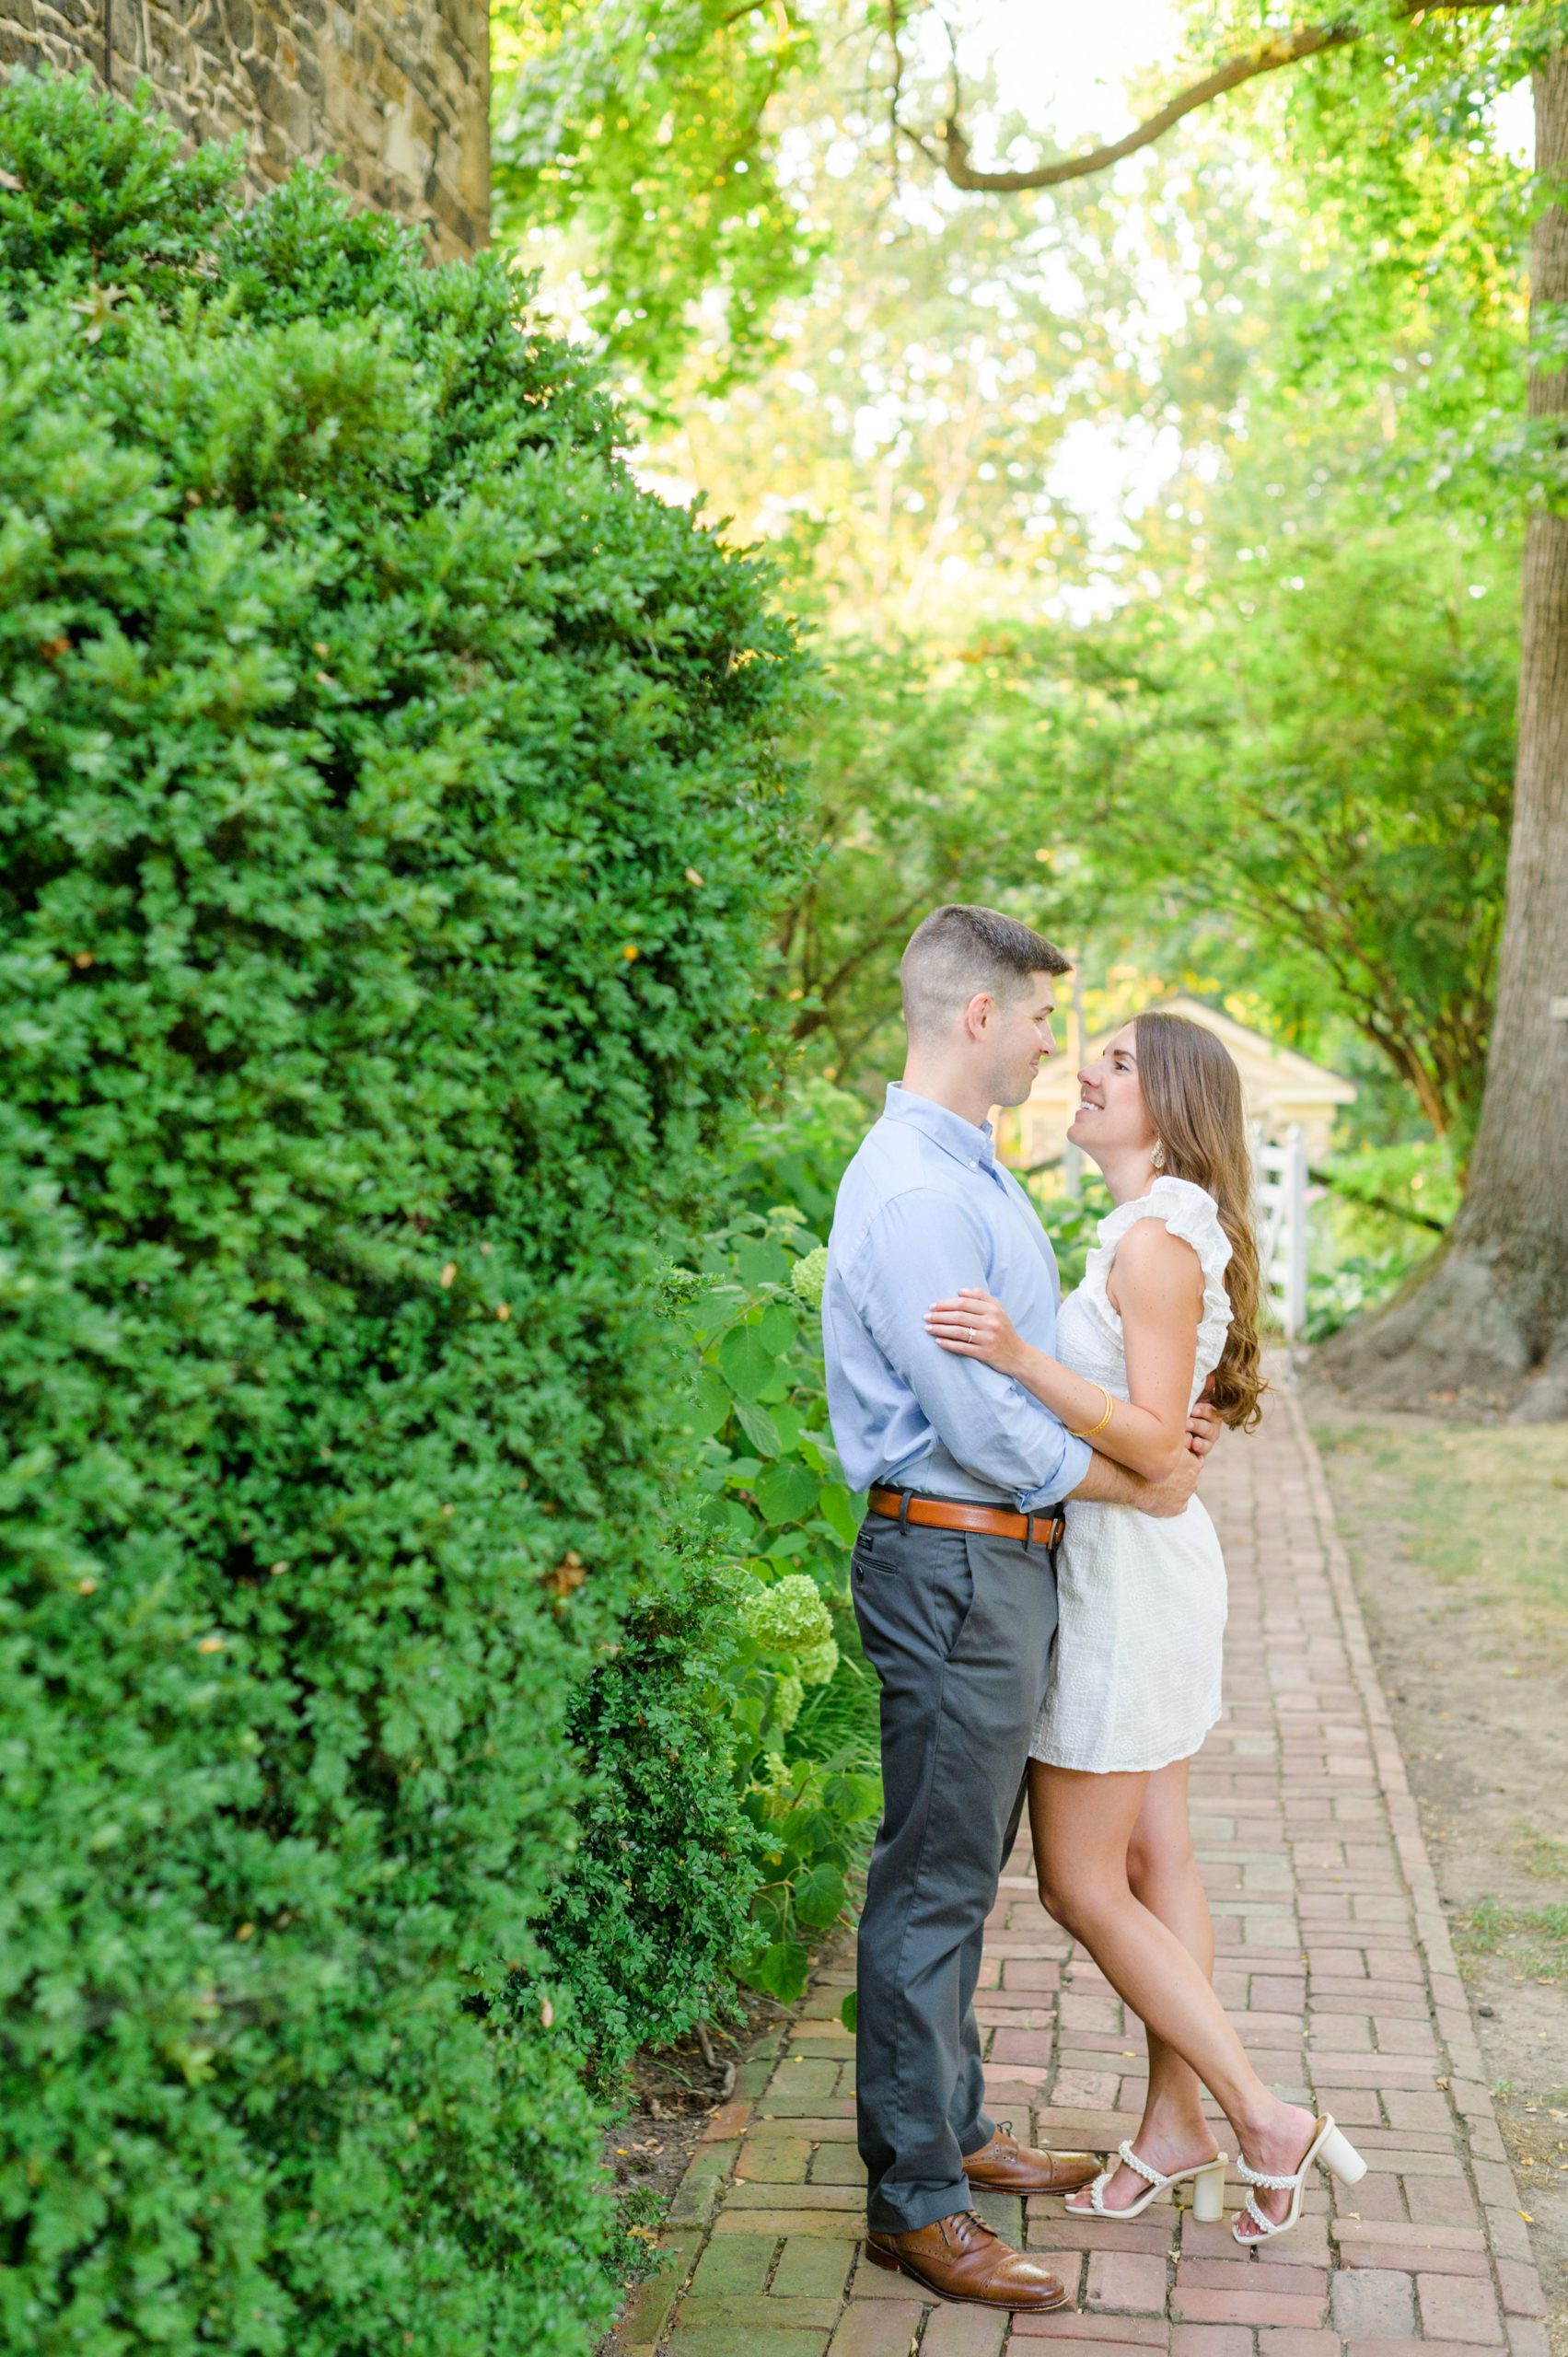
(958, 950)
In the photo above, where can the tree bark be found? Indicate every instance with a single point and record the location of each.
(1264, 57)
(1489, 1328)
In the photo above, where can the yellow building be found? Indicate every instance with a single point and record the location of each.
(1282, 1089)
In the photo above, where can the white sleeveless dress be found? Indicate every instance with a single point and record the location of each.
(1135, 1675)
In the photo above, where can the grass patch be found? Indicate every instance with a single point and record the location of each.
(1481, 1509)
(1545, 1857)
(1533, 1940)
(841, 1721)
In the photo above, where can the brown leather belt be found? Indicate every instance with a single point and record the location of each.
(961, 1513)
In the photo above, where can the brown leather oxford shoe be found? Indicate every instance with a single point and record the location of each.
(958, 2257)
(1006, 2167)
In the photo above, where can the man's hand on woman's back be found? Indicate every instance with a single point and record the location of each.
(1204, 1428)
(1113, 1485)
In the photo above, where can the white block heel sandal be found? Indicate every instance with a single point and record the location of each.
(1331, 2148)
(1207, 2181)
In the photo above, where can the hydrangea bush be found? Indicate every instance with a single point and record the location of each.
(802, 1698)
(391, 825)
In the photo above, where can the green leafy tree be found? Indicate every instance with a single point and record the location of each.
(1493, 1318)
(928, 791)
(393, 821)
(643, 127)
(1068, 772)
(1161, 787)
(1382, 112)
(1302, 786)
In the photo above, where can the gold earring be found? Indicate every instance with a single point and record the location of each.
(1157, 1157)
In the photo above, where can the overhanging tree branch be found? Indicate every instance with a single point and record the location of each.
(1263, 57)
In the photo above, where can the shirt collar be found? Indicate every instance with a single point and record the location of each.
(974, 1147)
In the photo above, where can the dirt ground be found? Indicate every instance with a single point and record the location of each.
(1458, 1538)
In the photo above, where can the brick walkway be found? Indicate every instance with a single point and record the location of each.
(1334, 1958)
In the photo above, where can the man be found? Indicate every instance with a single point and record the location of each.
(953, 1583)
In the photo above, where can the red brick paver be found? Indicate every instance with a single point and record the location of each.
(1335, 1959)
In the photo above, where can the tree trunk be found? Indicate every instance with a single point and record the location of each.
(1489, 1328)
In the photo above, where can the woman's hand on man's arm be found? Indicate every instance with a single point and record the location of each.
(972, 1324)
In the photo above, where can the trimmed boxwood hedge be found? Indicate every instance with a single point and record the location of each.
(390, 823)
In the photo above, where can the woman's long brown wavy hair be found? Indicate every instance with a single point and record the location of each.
(1193, 1091)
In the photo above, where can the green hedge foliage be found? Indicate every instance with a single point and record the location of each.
(391, 826)
(649, 1925)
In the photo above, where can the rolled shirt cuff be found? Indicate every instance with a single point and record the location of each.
(1076, 1456)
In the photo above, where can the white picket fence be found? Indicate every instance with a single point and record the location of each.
(1281, 1179)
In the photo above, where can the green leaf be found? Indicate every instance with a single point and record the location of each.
(711, 1404)
(727, 1520)
(763, 1264)
(819, 1451)
(787, 1491)
(745, 1361)
(779, 1327)
(852, 1797)
(817, 1837)
(758, 1427)
(770, 1912)
(842, 1510)
(469, 833)
(819, 1896)
(713, 1309)
(789, 1421)
(782, 1970)
(849, 2012)
(783, 1832)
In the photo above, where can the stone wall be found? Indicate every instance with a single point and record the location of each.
(398, 91)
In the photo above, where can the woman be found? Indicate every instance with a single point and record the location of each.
(1168, 1303)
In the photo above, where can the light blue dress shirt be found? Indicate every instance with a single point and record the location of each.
(925, 1208)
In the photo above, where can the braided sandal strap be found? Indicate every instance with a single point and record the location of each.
(1266, 2226)
(1126, 2152)
(1096, 2190)
(1261, 2177)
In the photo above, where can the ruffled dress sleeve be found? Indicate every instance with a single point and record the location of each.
(1189, 1211)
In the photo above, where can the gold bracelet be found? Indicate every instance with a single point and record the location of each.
(1110, 1411)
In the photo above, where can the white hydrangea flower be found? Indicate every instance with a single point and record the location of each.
(808, 1276)
(817, 1664)
(788, 1696)
(789, 1616)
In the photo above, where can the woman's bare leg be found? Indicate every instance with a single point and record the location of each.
(1082, 1828)
(1163, 1873)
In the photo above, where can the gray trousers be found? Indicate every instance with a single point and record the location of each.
(959, 1629)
